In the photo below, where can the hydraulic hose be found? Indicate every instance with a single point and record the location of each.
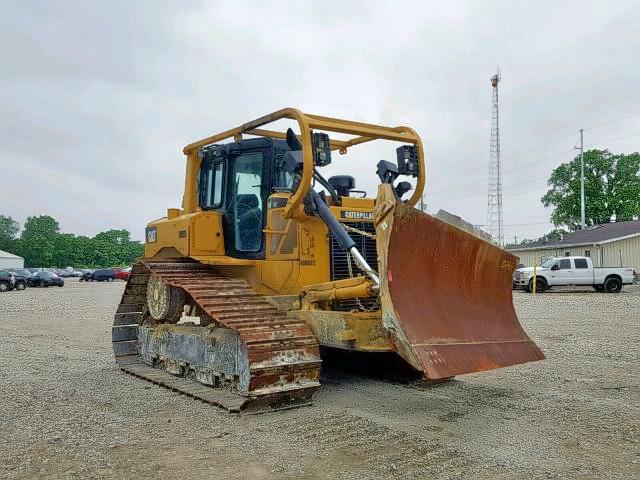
(343, 238)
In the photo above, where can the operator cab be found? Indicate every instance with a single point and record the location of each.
(237, 179)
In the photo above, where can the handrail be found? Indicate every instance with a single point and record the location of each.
(364, 132)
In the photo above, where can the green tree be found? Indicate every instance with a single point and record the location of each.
(115, 248)
(42, 226)
(612, 187)
(133, 252)
(108, 246)
(37, 241)
(42, 245)
(9, 229)
(66, 253)
(552, 235)
(83, 252)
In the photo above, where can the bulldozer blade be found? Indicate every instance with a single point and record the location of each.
(446, 296)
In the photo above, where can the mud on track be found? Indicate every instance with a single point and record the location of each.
(67, 412)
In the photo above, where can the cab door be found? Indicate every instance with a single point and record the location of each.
(582, 274)
(246, 213)
(562, 272)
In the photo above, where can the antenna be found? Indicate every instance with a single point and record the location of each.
(494, 200)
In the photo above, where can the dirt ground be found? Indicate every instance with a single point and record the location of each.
(67, 412)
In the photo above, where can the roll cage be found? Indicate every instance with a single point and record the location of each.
(362, 133)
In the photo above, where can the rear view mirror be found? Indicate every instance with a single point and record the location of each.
(555, 267)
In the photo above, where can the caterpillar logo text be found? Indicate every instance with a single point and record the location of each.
(356, 215)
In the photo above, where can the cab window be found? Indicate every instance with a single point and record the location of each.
(247, 198)
(565, 264)
(211, 184)
(282, 179)
(581, 263)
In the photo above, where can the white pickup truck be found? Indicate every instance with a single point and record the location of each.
(573, 271)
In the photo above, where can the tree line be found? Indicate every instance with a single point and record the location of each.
(41, 244)
(611, 190)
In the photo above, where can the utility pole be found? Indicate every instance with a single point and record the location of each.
(582, 220)
(422, 203)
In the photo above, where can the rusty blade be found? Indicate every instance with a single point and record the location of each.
(447, 296)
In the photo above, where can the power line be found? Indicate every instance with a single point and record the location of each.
(539, 161)
(610, 140)
(511, 195)
(484, 180)
(515, 224)
(533, 149)
(540, 146)
(534, 190)
(570, 151)
(506, 196)
(482, 167)
(505, 172)
(613, 139)
(612, 121)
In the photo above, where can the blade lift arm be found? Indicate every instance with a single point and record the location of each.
(320, 208)
(315, 204)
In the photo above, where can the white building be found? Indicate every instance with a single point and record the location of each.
(609, 245)
(9, 260)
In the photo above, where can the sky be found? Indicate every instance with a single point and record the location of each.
(97, 99)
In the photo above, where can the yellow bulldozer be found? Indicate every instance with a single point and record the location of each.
(268, 263)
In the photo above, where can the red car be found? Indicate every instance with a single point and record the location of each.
(122, 274)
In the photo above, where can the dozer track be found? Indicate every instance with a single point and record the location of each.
(277, 355)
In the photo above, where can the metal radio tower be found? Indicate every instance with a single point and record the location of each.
(494, 202)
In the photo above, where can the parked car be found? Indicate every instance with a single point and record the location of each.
(7, 281)
(87, 276)
(20, 271)
(123, 274)
(104, 275)
(45, 279)
(573, 271)
(72, 272)
(22, 275)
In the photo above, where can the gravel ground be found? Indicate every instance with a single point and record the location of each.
(67, 412)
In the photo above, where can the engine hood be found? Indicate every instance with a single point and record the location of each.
(530, 270)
